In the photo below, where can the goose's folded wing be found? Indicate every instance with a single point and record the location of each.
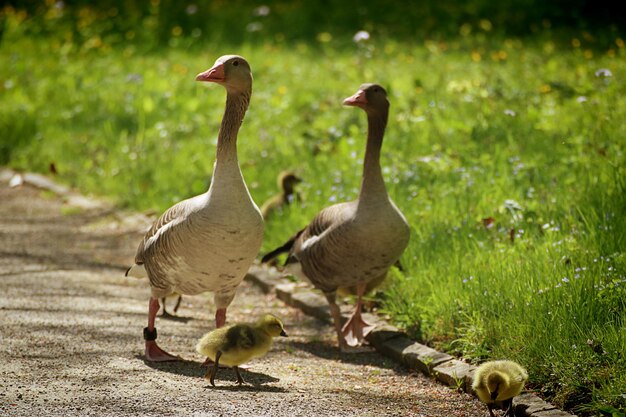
(162, 229)
(325, 220)
(286, 247)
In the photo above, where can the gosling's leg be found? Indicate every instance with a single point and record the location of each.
(152, 351)
(336, 314)
(239, 378)
(490, 407)
(356, 328)
(216, 365)
(509, 409)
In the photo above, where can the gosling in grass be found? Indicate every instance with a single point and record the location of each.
(238, 343)
(286, 182)
(497, 382)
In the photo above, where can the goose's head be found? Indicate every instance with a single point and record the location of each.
(231, 71)
(370, 97)
(496, 383)
(272, 325)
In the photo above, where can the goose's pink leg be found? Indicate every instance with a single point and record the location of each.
(180, 298)
(336, 315)
(355, 329)
(220, 317)
(153, 352)
(220, 321)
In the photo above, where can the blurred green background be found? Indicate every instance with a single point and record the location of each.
(159, 23)
(504, 149)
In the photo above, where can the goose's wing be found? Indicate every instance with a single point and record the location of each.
(323, 221)
(284, 248)
(327, 219)
(157, 238)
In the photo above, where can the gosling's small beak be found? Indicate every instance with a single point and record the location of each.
(494, 395)
(283, 334)
(356, 100)
(214, 74)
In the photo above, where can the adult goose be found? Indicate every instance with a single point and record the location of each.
(207, 242)
(353, 244)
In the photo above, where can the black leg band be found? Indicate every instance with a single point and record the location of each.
(149, 335)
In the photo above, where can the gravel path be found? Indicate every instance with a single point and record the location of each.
(71, 335)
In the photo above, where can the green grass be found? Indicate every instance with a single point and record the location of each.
(505, 154)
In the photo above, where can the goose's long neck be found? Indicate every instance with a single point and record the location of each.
(226, 163)
(373, 185)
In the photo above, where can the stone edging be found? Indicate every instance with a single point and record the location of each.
(395, 344)
(71, 198)
(386, 339)
(16, 179)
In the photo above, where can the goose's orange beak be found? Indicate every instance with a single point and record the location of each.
(214, 74)
(357, 99)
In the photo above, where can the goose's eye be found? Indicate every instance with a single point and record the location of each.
(235, 63)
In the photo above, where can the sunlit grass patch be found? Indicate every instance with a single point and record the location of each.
(506, 155)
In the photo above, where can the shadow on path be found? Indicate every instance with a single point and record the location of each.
(363, 355)
(196, 370)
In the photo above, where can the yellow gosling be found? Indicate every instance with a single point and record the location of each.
(238, 343)
(287, 182)
(497, 382)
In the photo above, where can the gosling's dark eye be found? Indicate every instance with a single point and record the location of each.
(235, 63)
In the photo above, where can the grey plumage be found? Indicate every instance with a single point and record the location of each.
(353, 244)
(207, 242)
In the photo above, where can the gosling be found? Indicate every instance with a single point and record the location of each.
(238, 343)
(286, 182)
(497, 382)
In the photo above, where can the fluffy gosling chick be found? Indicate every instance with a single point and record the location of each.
(497, 382)
(286, 182)
(238, 343)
